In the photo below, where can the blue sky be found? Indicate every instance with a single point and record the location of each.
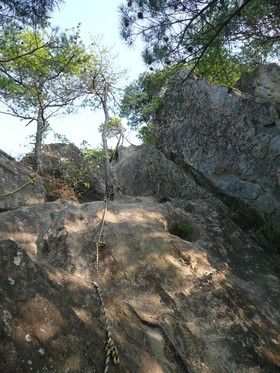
(99, 18)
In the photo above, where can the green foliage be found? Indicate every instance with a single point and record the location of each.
(115, 128)
(61, 138)
(183, 230)
(90, 153)
(27, 11)
(220, 67)
(37, 86)
(99, 80)
(79, 182)
(72, 174)
(43, 78)
(95, 157)
(143, 97)
(190, 31)
(146, 135)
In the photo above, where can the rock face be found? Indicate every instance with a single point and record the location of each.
(145, 171)
(18, 187)
(264, 82)
(230, 139)
(207, 301)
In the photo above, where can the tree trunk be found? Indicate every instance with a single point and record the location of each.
(39, 140)
(108, 183)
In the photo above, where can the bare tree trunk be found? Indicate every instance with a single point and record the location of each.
(39, 140)
(108, 183)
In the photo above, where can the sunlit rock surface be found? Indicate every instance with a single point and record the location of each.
(186, 290)
(205, 302)
(228, 138)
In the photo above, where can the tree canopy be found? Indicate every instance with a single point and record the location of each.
(27, 11)
(38, 85)
(16, 16)
(99, 83)
(115, 128)
(192, 31)
(42, 78)
(144, 96)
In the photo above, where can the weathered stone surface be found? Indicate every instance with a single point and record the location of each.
(205, 303)
(264, 82)
(229, 138)
(28, 224)
(13, 177)
(145, 171)
(48, 319)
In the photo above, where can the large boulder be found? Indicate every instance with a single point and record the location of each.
(19, 186)
(145, 171)
(230, 141)
(185, 290)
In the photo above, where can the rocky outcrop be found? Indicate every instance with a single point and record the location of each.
(184, 288)
(206, 301)
(145, 171)
(263, 82)
(66, 163)
(19, 186)
(228, 139)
